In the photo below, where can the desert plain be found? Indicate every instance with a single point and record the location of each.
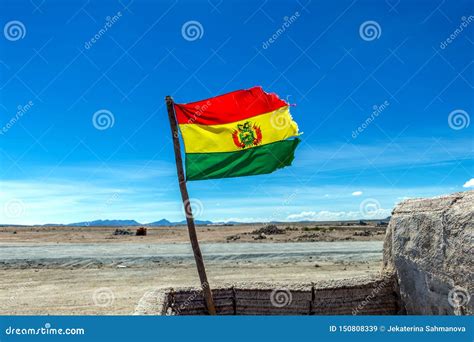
(66, 270)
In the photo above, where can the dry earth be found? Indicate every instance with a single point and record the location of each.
(116, 290)
(242, 233)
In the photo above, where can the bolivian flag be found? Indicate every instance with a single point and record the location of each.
(241, 133)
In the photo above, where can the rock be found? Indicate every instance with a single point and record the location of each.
(233, 237)
(119, 231)
(363, 233)
(269, 230)
(428, 245)
(260, 236)
(309, 237)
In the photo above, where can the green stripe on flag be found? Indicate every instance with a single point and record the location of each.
(254, 161)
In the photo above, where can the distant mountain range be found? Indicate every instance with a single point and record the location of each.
(166, 223)
(113, 223)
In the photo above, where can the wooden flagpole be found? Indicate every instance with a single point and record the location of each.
(188, 210)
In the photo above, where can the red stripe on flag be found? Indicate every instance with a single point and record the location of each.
(227, 108)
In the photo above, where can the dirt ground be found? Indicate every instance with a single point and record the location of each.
(239, 233)
(118, 291)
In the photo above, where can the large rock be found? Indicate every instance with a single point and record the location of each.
(429, 247)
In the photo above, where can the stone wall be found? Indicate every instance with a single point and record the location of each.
(429, 247)
(356, 296)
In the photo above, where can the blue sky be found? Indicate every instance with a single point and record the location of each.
(383, 93)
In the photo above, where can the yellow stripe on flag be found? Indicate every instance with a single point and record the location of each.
(261, 129)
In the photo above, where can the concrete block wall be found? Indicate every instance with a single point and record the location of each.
(357, 296)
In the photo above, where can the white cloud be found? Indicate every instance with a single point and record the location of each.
(469, 183)
(357, 193)
(325, 215)
(304, 215)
